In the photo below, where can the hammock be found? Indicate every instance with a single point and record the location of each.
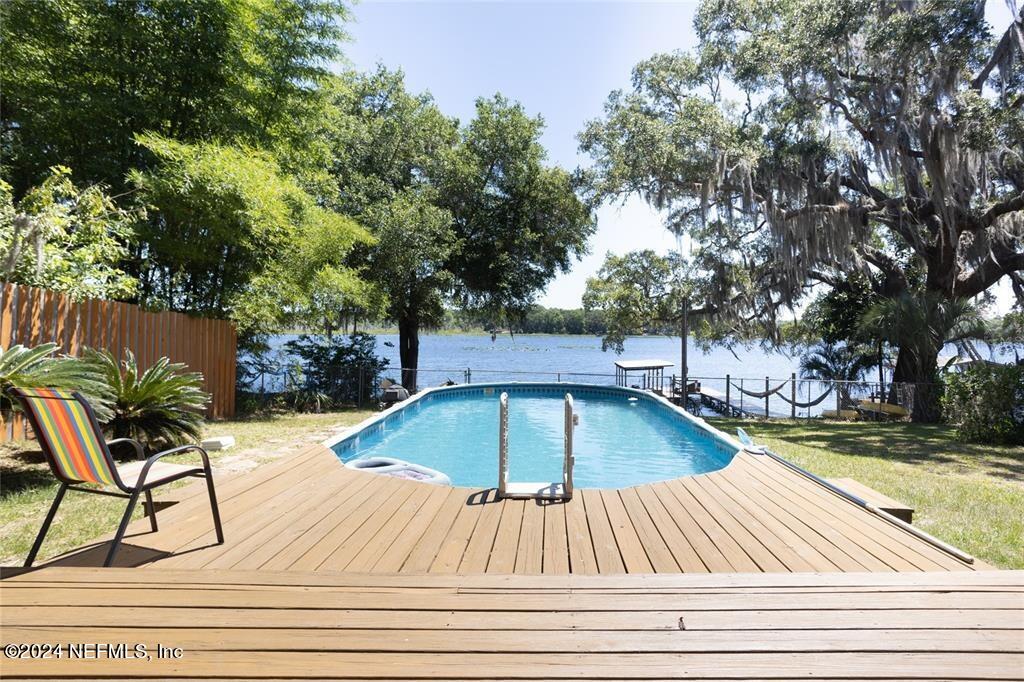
(812, 403)
(761, 394)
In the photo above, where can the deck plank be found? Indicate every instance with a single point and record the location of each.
(331, 625)
(631, 547)
(308, 512)
(606, 549)
(530, 552)
(867, 527)
(556, 541)
(453, 548)
(582, 560)
(425, 548)
(506, 541)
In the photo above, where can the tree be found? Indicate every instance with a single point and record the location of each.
(636, 293)
(235, 237)
(920, 325)
(415, 241)
(388, 145)
(66, 239)
(876, 138)
(82, 78)
(471, 217)
(519, 222)
(836, 363)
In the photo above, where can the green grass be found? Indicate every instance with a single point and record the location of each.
(27, 487)
(971, 496)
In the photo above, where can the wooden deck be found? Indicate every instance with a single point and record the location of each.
(267, 624)
(309, 513)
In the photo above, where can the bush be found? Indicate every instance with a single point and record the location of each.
(159, 407)
(40, 367)
(341, 369)
(986, 403)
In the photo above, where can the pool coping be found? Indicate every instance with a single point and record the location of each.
(696, 422)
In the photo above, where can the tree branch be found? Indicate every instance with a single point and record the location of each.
(1012, 37)
(1001, 261)
(1003, 207)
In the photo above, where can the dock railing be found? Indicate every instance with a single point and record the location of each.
(763, 397)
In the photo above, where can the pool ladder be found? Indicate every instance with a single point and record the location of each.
(545, 491)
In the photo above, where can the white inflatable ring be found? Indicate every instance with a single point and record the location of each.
(390, 466)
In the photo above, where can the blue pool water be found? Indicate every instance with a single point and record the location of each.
(624, 437)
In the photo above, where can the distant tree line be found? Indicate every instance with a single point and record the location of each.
(541, 320)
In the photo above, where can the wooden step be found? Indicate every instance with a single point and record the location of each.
(883, 502)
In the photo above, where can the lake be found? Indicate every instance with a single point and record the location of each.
(542, 357)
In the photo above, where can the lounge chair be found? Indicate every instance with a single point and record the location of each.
(70, 437)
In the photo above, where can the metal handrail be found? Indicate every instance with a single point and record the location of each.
(502, 444)
(571, 420)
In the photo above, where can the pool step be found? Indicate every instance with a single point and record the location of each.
(544, 491)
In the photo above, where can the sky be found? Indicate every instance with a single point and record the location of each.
(560, 60)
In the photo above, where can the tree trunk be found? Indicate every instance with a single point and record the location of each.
(409, 349)
(916, 377)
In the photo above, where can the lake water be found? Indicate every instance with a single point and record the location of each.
(543, 357)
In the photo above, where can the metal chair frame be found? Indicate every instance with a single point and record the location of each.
(130, 493)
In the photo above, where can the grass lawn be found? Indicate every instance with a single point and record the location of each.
(27, 487)
(971, 496)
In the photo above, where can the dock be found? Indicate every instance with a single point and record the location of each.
(750, 572)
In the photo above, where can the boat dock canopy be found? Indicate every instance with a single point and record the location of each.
(653, 372)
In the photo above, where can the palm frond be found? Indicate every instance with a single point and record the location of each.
(160, 406)
(38, 367)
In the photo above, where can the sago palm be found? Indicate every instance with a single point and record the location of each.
(162, 405)
(38, 367)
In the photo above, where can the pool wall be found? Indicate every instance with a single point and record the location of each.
(721, 440)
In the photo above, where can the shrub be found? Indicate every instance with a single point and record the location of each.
(159, 407)
(986, 403)
(340, 369)
(38, 367)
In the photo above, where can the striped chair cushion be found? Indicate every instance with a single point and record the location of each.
(68, 436)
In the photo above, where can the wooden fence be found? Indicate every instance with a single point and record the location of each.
(31, 316)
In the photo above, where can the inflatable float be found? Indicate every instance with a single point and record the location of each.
(390, 466)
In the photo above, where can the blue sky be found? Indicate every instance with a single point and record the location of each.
(559, 59)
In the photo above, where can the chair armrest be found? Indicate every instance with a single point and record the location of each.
(139, 452)
(173, 451)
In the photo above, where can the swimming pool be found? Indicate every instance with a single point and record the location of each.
(625, 437)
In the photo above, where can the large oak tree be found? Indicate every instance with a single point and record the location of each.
(804, 141)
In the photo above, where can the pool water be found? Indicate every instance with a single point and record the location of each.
(624, 437)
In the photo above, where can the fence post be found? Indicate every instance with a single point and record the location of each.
(766, 397)
(728, 410)
(741, 396)
(469, 375)
(839, 399)
(362, 379)
(792, 405)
